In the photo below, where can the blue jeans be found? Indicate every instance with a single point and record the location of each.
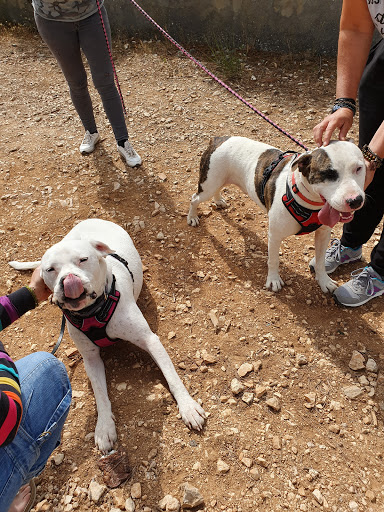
(46, 395)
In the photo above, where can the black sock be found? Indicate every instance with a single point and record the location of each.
(122, 142)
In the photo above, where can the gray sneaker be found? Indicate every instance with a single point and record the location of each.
(337, 255)
(89, 142)
(366, 284)
(129, 154)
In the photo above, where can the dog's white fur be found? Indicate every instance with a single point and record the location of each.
(82, 253)
(234, 162)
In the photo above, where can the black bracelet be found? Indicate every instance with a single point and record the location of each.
(369, 155)
(344, 103)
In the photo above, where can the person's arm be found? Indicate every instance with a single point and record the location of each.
(355, 38)
(376, 146)
(11, 308)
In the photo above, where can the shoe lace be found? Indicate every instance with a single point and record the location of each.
(129, 149)
(87, 138)
(334, 251)
(362, 281)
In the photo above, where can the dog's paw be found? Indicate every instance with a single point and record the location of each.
(327, 284)
(193, 221)
(105, 435)
(192, 413)
(275, 283)
(221, 203)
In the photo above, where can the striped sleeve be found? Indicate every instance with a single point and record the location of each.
(11, 408)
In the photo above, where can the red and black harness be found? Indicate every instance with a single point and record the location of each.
(307, 218)
(93, 320)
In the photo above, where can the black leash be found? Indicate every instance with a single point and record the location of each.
(62, 329)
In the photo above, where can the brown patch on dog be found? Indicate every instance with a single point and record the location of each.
(317, 167)
(206, 158)
(264, 160)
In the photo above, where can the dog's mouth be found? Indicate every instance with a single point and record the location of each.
(329, 216)
(74, 294)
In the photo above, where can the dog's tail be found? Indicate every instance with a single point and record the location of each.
(24, 265)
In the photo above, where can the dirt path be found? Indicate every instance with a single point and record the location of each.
(321, 450)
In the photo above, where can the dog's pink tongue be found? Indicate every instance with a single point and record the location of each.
(73, 287)
(328, 216)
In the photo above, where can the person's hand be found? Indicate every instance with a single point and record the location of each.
(38, 286)
(369, 174)
(342, 119)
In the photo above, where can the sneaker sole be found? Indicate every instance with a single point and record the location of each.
(357, 304)
(312, 268)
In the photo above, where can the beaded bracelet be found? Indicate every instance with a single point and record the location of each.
(344, 103)
(369, 155)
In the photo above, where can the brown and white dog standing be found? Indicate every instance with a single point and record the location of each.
(301, 193)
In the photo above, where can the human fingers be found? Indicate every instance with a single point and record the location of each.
(37, 284)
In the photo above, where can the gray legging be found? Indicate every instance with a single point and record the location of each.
(66, 40)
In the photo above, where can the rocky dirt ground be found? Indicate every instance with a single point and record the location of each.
(299, 430)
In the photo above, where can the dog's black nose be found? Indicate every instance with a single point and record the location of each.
(355, 202)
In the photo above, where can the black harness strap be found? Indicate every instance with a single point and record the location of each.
(123, 261)
(269, 170)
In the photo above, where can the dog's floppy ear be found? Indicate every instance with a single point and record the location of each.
(304, 164)
(101, 247)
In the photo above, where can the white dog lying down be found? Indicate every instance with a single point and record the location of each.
(97, 292)
(300, 192)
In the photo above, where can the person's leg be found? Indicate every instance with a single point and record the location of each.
(46, 397)
(62, 39)
(371, 115)
(94, 45)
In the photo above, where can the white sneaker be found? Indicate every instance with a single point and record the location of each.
(129, 154)
(89, 142)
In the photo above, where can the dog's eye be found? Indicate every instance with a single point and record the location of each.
(83, 259)
(358, 170)
(50, 269)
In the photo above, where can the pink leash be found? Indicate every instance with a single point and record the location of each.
(111, 58)
(201, 66)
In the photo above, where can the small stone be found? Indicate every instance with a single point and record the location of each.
(335, 428)
(276, 442)
(96, 491)
(169, 504)
(260, 390)
(222, 467)
(192, 497)
(370, 495)
(318, 496)
(353, 506)
(301, 359)
(262, 462)
(58, 458)
(136, 490)
(371, 365)
(357, 361)
(236, 386)
(247, 462)
(352, 392)
(129, 505)
(171, 335)
(255, 473)
(244, 369)
(208, 358)
(310, 400)
(248, 398)
(274, 404)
